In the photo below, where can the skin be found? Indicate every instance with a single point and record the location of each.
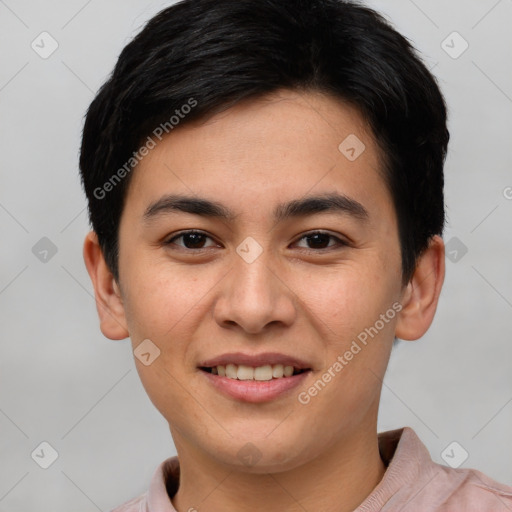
(296, 298)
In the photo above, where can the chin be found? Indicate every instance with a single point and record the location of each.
(262, 455)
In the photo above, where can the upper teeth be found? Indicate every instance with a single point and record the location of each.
(243, 372)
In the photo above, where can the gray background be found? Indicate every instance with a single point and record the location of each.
(62, 382)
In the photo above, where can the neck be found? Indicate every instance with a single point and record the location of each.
(338, 480)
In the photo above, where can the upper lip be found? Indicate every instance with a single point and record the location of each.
(255, 360)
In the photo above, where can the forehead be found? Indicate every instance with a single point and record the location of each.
(263, 151)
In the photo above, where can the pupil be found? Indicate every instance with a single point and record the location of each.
(318, 240)
(193, 240)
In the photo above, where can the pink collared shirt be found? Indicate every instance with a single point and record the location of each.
(413, 482)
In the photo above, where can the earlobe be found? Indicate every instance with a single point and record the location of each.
(109, 302)
(421, 295)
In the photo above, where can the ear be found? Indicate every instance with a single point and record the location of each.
(421, 295)
(107, 293)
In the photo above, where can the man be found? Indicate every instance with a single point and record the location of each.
(265, 187)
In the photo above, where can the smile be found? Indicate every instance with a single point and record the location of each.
(260, 373)
(254, 384)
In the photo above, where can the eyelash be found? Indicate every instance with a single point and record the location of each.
(339, 241)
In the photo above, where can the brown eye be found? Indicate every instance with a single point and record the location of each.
(191, 240)
(320, 240)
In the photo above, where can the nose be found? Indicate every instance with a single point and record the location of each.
(254, 298)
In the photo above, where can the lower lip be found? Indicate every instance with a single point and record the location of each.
(255, 391)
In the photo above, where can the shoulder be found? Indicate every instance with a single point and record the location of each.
(469, 490)
(413, 482)
(137, 504)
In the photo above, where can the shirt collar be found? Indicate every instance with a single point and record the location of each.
(401, 451)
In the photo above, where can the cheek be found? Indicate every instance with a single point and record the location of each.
(348, 299)
(158, 297)
(163, 306)
(357, 348)
(346, 309)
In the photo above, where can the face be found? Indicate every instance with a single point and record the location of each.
(253, 238)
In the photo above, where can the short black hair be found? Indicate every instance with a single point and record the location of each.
(200, 57)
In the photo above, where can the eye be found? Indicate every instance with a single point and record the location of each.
(191, 240)
(320, 240)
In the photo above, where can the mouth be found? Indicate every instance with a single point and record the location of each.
(259, 373)
(255, 379)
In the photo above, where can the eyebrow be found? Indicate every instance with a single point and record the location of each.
(326, 203)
